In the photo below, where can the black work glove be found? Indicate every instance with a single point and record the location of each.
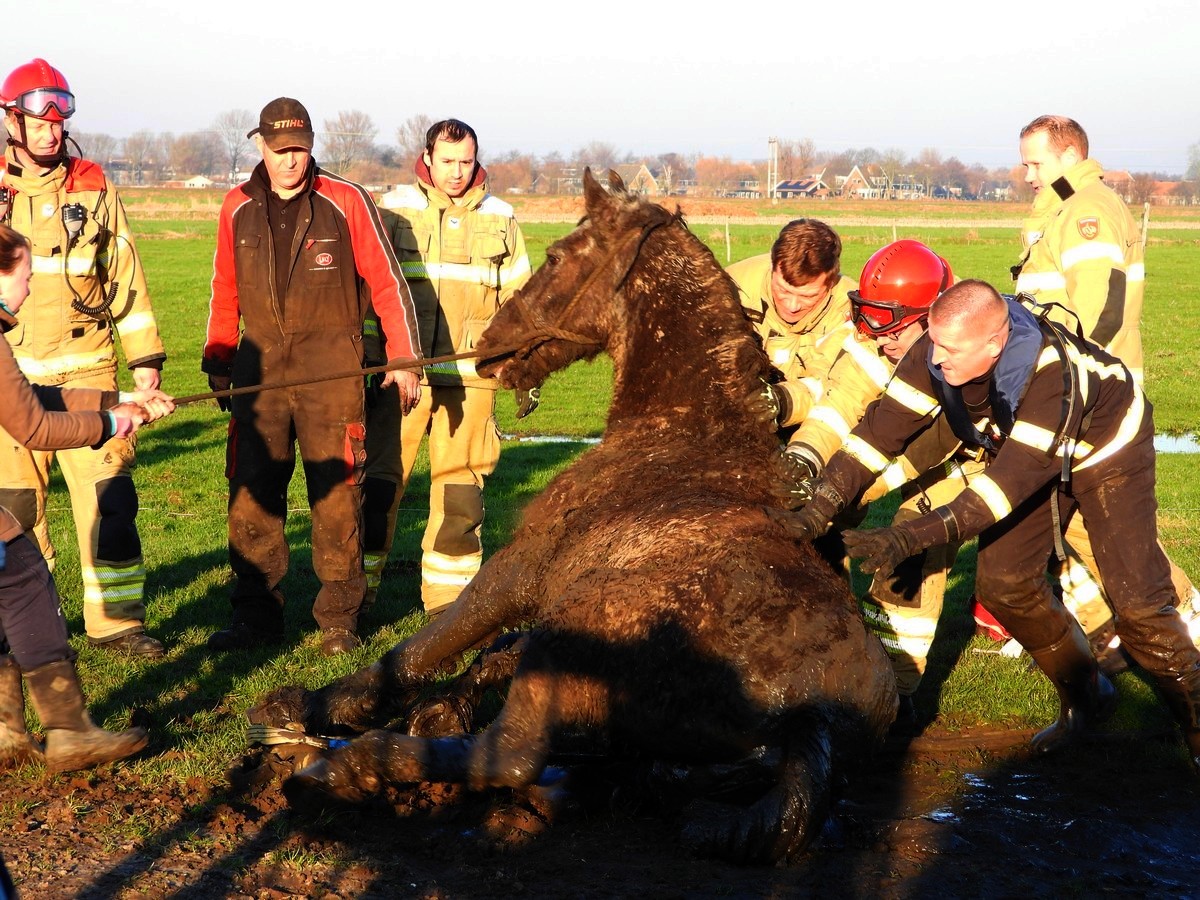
(771, 403)
(527, 401)
(796, 471)
(221, 383)
(815, 518)
(880, 549)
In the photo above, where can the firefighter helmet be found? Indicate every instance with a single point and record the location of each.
(38, 89)
(897, 286)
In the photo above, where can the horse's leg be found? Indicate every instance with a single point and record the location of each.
(452, 711)
(511, 752)
(366, 698)
(784, 820)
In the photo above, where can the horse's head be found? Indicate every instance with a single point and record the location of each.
(565, 312)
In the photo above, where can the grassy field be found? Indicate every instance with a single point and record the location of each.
(196, 700)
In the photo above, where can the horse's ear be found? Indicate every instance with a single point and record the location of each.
(595, 198)
(615, 184)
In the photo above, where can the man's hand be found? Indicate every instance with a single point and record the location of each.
(154, 402)
(409, 384)
(129, 418)
(796, 471)
(770, 403)
(527, 401)
(221, 383)
(146, 378)
(814, 520)
(880, 549)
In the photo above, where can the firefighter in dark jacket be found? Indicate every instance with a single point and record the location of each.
(1063, 426)
(299, 254)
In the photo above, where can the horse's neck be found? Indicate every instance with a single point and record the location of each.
(686, 357)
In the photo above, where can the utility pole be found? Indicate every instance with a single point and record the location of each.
(772, 169)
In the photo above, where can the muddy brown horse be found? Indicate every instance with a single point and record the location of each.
(673, 618)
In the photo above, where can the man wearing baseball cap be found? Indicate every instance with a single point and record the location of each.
(300, 251)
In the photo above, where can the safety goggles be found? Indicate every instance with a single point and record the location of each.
(38, 102)
(881, 317)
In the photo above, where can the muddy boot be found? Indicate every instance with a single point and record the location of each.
(72, 740)
(1106, 647)
(1086, 696)
(16, 746)
(1183, 696)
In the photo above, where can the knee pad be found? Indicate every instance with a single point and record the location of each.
(116, 499)
(378, 497)
(22, 503)
(462, 510)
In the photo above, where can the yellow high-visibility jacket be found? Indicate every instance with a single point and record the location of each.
(461, 261)
(821, 357)
(1084, 250)
(53, 341)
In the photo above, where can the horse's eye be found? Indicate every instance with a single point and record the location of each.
(553, 259)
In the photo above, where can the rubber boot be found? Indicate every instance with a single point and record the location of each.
(1085, 694)
(72, 740)
(1183, 696)
(16, 746)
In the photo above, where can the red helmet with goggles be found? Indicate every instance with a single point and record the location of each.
(897, 286)
(38, 89)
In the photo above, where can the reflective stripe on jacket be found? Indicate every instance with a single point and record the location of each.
(1084, 250)
(53, 341)
(462, 260)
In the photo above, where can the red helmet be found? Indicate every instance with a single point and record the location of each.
(897, 286)
(38, 89)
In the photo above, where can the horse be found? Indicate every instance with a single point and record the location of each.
(673, 618)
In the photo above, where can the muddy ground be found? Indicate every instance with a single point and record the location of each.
(935, 816)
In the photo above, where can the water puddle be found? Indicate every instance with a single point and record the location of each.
(1177, 443)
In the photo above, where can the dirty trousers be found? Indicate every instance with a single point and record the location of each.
(464, 448)
(325, 420)
(32, 627)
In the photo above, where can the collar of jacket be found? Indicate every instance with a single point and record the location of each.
(471, 198)
(1008, 379)
(259, 184)
(29, 181)
(1079, 176)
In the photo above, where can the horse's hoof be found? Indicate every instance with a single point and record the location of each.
(282, 708)
(441, 717)
(324, 783)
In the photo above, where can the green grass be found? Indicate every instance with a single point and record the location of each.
(196, 700)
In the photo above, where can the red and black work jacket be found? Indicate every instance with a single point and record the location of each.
(341, 257)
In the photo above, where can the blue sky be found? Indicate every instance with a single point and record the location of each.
(649, 77)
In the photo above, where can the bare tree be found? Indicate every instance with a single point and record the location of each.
(1193, 169)
(796, 159)
(348, 139)
(410, 137)
(195, 153)
(140, 149)
(98, 147)
(892, 162)
(599, 155)
(1142, 188)
(230, 128)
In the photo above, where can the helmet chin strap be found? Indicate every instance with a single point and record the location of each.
(47, 161)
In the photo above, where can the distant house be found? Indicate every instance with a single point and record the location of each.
(198, 181)
(638, 179)
(865, 183)
(747, 189)
(802, 188)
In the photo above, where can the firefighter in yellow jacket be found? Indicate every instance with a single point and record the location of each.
(87, 284)
(1083, 251)
(463, 255)
(798, 302)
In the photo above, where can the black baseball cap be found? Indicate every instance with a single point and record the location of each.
(284, 123)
